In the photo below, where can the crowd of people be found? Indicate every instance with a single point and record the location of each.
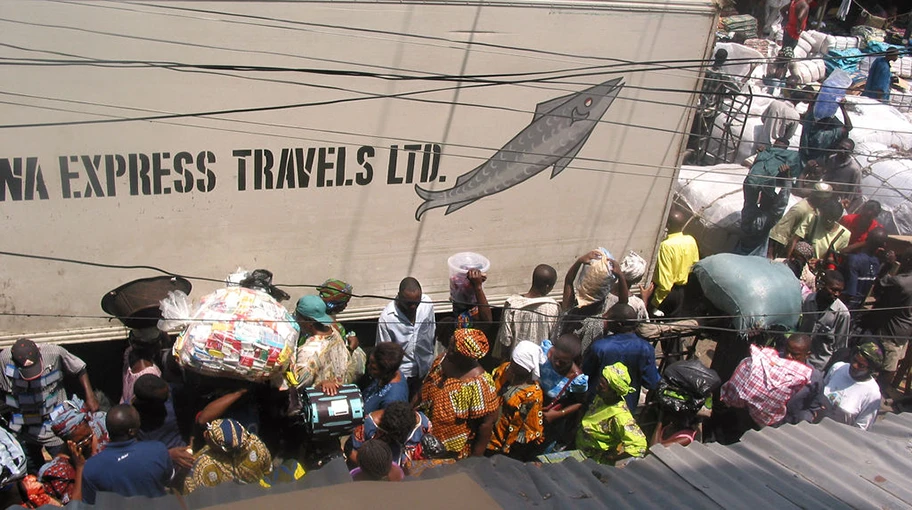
(545, 378)
(548, 377)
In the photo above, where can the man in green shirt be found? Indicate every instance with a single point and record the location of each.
(766, 194)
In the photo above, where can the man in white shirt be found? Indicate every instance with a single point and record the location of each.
(851, 395)
(409, 321)
(530, 316)
(780, 119)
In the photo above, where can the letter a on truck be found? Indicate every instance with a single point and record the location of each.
(366, 141)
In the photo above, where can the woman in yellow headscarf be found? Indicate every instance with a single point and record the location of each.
(608, 432)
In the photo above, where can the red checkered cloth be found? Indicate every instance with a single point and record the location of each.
(764, 383)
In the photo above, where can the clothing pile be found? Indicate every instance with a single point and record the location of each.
(846, 59)
(765, 47)
(238, 332)
(868, 35)
(741, 23)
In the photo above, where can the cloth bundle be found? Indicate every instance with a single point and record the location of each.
(764, 383)
(809, 71)
(846, 59)
(240, 333)
(868, 35)
(594, 280)
(765, 47)
(633, 267)
(838, 42)
(741, 23)
(759, 293)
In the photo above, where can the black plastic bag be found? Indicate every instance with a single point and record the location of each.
(692, 377)
(673, 399)
(261, 279)
(432, 448)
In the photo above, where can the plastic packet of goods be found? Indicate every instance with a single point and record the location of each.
(594, 280)
(226, 343)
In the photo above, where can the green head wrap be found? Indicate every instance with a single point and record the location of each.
(618, 378)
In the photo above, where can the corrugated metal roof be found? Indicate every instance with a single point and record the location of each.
(895, 426)
(823, 466)
(577, 485)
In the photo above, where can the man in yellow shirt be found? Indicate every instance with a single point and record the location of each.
(677, 254)
(824, 232)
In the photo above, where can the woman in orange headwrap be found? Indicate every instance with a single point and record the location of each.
(459, 397)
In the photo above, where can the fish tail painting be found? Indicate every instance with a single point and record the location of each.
(559, 128)
(431, 199)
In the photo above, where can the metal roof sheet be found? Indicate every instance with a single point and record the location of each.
(822, 466)
(896, 426)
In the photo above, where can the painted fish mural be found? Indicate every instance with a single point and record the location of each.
(559, 129)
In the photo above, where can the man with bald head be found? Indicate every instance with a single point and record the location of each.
(409, 321)
(126, 466)
(531, 316)
(677, 254)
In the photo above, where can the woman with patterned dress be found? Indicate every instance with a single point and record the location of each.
(459, 397)
(519, 430)
(231, 454)
(84, 429)
(609, 433)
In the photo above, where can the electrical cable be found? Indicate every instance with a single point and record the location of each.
(705, 170)
(371, 322)
(353, 295)
(701, 179)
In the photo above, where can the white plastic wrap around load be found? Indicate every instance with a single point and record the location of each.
(744, 61)
(839, 42)
(713, 194)
(876, 122)
(872, 120)
(888, 180)
(901, 67)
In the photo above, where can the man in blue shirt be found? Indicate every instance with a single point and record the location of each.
(879, 78)
(126, 466)
(625, 346)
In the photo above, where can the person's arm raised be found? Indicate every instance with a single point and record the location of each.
(566, 302)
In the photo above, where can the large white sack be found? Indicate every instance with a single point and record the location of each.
(874, 121)
(714, 195)
(743, 60)
(887, 178)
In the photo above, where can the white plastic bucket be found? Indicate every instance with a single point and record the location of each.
(461, 290)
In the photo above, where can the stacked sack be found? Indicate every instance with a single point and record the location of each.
(807, 64)
(741, 23)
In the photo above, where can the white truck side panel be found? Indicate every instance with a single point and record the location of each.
(201, 195)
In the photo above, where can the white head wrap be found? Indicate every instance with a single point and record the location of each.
(529, 356)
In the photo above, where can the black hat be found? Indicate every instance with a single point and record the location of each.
(27, 358)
